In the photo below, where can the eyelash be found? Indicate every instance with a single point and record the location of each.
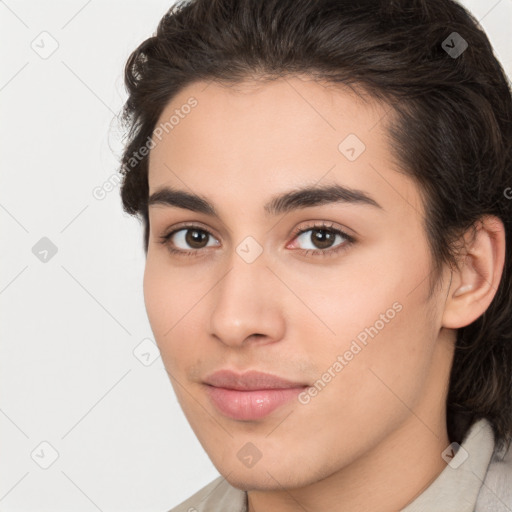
(349, 240)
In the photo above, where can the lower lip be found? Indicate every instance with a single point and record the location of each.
(250, 405)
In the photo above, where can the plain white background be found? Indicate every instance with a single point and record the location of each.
(86, 422)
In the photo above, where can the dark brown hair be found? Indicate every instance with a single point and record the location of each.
(450, 128)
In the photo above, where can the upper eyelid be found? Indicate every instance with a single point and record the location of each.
(321, 225)
(186, 226)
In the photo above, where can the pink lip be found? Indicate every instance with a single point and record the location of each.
(249, 396)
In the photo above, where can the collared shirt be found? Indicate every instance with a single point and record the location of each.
(476, 479)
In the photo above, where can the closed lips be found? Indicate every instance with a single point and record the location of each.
(249, 381)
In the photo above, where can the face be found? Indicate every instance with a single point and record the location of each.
(329, 291)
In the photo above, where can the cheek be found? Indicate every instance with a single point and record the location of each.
(172, 298)
(368, 287)
(158, 297)
(168, 293)
(376, 314)
(386, 331)
(388, 374)
(372, 389)
(164, 297)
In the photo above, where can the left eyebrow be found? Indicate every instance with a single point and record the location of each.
(315, 196)
(299, 198)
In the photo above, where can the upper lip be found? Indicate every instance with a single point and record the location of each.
(250, 380)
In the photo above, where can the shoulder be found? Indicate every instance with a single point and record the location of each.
(217, 495)
(496, 492)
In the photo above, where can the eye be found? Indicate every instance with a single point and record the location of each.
(188, 237)
(319, 239)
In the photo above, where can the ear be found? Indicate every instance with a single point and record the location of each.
(475, 282)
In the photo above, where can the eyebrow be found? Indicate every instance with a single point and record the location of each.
(295, 199)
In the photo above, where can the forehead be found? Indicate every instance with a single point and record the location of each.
(260, 135)
(294, 107)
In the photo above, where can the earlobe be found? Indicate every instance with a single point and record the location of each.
(477, 279)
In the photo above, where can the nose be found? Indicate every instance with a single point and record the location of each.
(247, 305)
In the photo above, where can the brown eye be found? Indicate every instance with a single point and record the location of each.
(196, 238)
(188, 239)
(320, 237)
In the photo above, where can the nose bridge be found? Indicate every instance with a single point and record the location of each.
(243, 304)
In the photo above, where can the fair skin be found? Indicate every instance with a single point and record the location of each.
(372, 438)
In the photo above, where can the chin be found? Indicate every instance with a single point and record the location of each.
(268, 477)
(262, 481)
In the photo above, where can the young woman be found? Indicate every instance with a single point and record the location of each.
(325, 187)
